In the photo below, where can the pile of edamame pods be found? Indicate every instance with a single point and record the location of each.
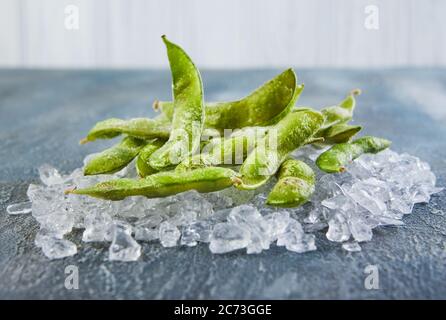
(182, 148)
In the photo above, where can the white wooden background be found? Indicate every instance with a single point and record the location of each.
(223, 33)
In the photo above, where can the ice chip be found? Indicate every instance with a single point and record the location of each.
(228, 237)
(168, 234)
(98, 227)
(58, 248)
(359, 229)
(244, 214)
(351, 246)
(49, 175)
(189, 237)
(123, 246)
(294, 238)
(197, 231)
(278, 222)
(19, 208)
(338, 230)
(146, 233)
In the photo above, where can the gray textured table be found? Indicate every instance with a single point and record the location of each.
(44, 113)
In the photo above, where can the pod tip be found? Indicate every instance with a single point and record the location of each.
(156, 105)
(236, 181)
(356, 92)
(83, 141)
(70, 190)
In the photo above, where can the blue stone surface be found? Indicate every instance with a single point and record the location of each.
(43, 114)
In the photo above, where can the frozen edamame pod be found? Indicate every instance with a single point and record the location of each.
(339, 133)
(287, 135)
(235, 149)
(295, 185)
(138, 127)
(343, 112)
(230, 151)
(115, 158)
(337, 157)
(163, 184)
(142, 161)
(188, 114)
(264, 106)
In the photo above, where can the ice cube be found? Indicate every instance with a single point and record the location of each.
(228, 237)
(186, 207)
(294, 238)
(123, 246)
(58, 248)
(247, 217)
(146, 233)
(98, 227)
(338, 229)
(351, 246)
(360, 229)
(168, 234)
(19, 208)
(49, 175)
(189, 237)
(197, 231)
(44, 235)
(373, 204)
(278, 222)
(244, 214)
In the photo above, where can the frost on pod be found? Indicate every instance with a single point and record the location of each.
(375, 190)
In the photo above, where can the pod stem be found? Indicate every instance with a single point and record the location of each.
(356, 92)
(70, 190)
(237, 181)
(156, 105)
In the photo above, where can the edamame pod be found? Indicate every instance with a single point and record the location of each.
(142, 161)
(339, 133)
(289, 134)
(343, 112)
(143, 128)
(231, 151)
(115, 158)
(295, 185)
(264, 106)
(235, 149)
(188, 115)
(163, 184)
(337, 157)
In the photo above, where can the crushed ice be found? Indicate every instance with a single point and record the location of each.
(376, 190)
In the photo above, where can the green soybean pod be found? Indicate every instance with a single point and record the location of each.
(143, 128)
(343, 112)
(264, 106)
(142, 161)
(287, 135)
(115, 158)
(295, 185)
(339, 133)
(234, 149)
(196, 161)
(188, 115)
(337, 157)
(230, 151)
(163, 184)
